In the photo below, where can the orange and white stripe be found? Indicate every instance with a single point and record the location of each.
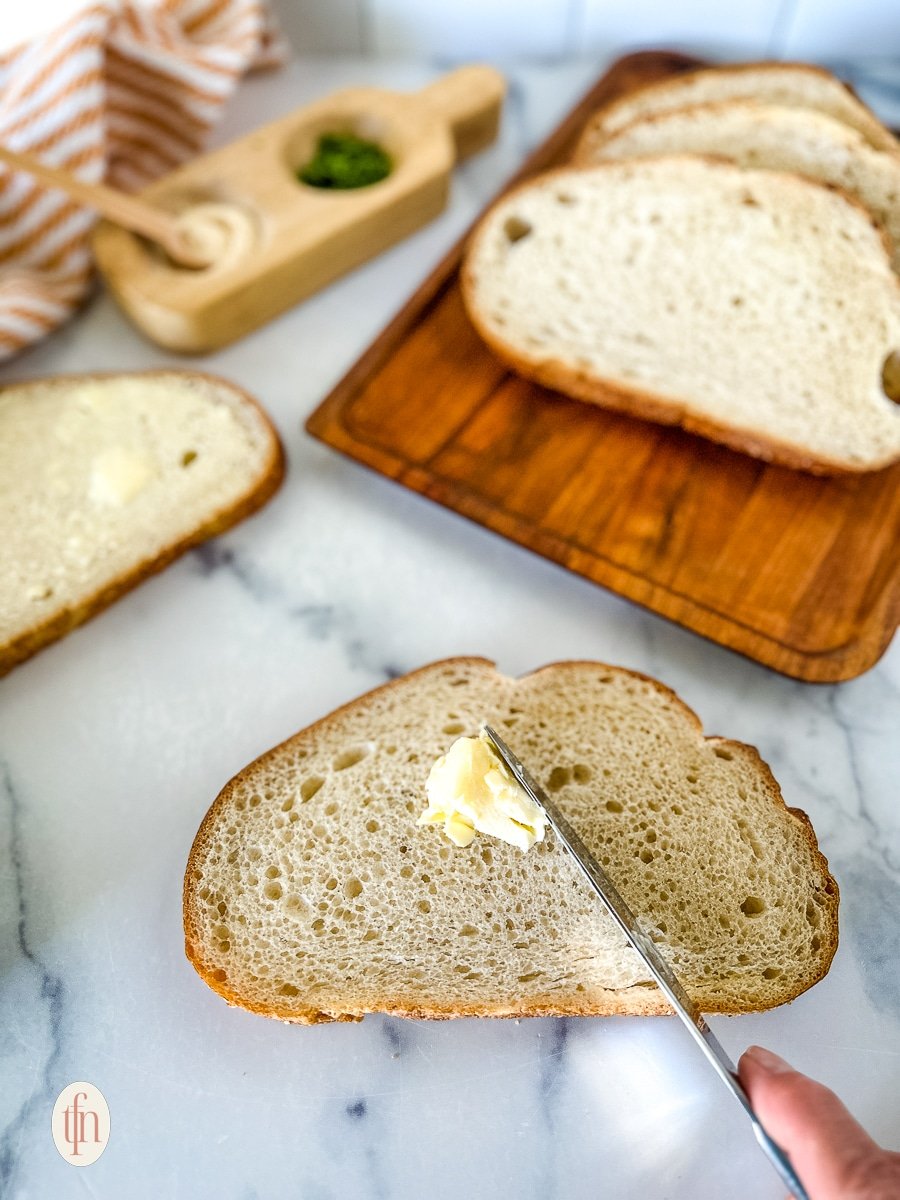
(124, 91)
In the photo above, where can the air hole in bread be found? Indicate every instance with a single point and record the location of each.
(516, 228)
(454, 728)
(581, 773)
(721, 752)
(890, 376)
(468, 931)
(772, 973)
(309, 787)
(424, 906)
(272, 891)
(565, 198)
(527, 978)
(188, 457)
(559, 777)
(352, 888)
(753, 906)
(749, 838)
(349, 758)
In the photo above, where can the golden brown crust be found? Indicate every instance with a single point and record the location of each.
(873, 130)
(624, 397)
(631, 1001)
(58, 625)
(593, 139)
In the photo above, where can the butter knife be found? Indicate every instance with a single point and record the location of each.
(681, 1002)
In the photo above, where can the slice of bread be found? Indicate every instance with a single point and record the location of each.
(105, 479)
(312, 895)
(757, 308)
(770, 137)
(790, 85)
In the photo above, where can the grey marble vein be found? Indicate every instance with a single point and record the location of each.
(26, 969)
(322, 621)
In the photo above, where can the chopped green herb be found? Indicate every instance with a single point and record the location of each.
(343, 160)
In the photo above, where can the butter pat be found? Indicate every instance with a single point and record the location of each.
(469, 789)
(118, 475)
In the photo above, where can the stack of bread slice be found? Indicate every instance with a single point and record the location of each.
(722, 255)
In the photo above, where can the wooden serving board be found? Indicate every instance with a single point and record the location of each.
(297, 238)
(797, 572)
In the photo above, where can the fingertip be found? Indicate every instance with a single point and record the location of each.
(766, 1060)
(806, 1119)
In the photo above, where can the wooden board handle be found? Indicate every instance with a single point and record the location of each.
(469, 100)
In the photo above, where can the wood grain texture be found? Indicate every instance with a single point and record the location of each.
(801, 574)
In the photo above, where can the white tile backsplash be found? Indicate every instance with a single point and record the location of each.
(832, 29)
(745, 27)
(497, 29)
(472, 28)
(325, 26)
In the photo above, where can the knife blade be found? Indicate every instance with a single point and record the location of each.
(662, 973)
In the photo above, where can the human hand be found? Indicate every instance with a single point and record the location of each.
(831, 1152)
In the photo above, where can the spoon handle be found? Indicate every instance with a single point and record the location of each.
(128, 211)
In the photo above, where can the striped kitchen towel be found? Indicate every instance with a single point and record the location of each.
(122, 91)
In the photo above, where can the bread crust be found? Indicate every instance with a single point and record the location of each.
(873, 130)
(24, 645)
(592, 139)
(632, 1001)
(623, 397)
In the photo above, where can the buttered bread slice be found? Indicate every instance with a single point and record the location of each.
(105, 479)
(757, 308)
(313, 893)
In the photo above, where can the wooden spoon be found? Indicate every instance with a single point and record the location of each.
(128, 211)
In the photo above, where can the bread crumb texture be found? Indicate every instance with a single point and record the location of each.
(311, 894)
(754, 306)
(105, 478)
(767, 136)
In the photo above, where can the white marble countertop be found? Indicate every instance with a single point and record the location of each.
(115, 741)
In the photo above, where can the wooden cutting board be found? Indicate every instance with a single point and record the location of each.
(799, 573)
